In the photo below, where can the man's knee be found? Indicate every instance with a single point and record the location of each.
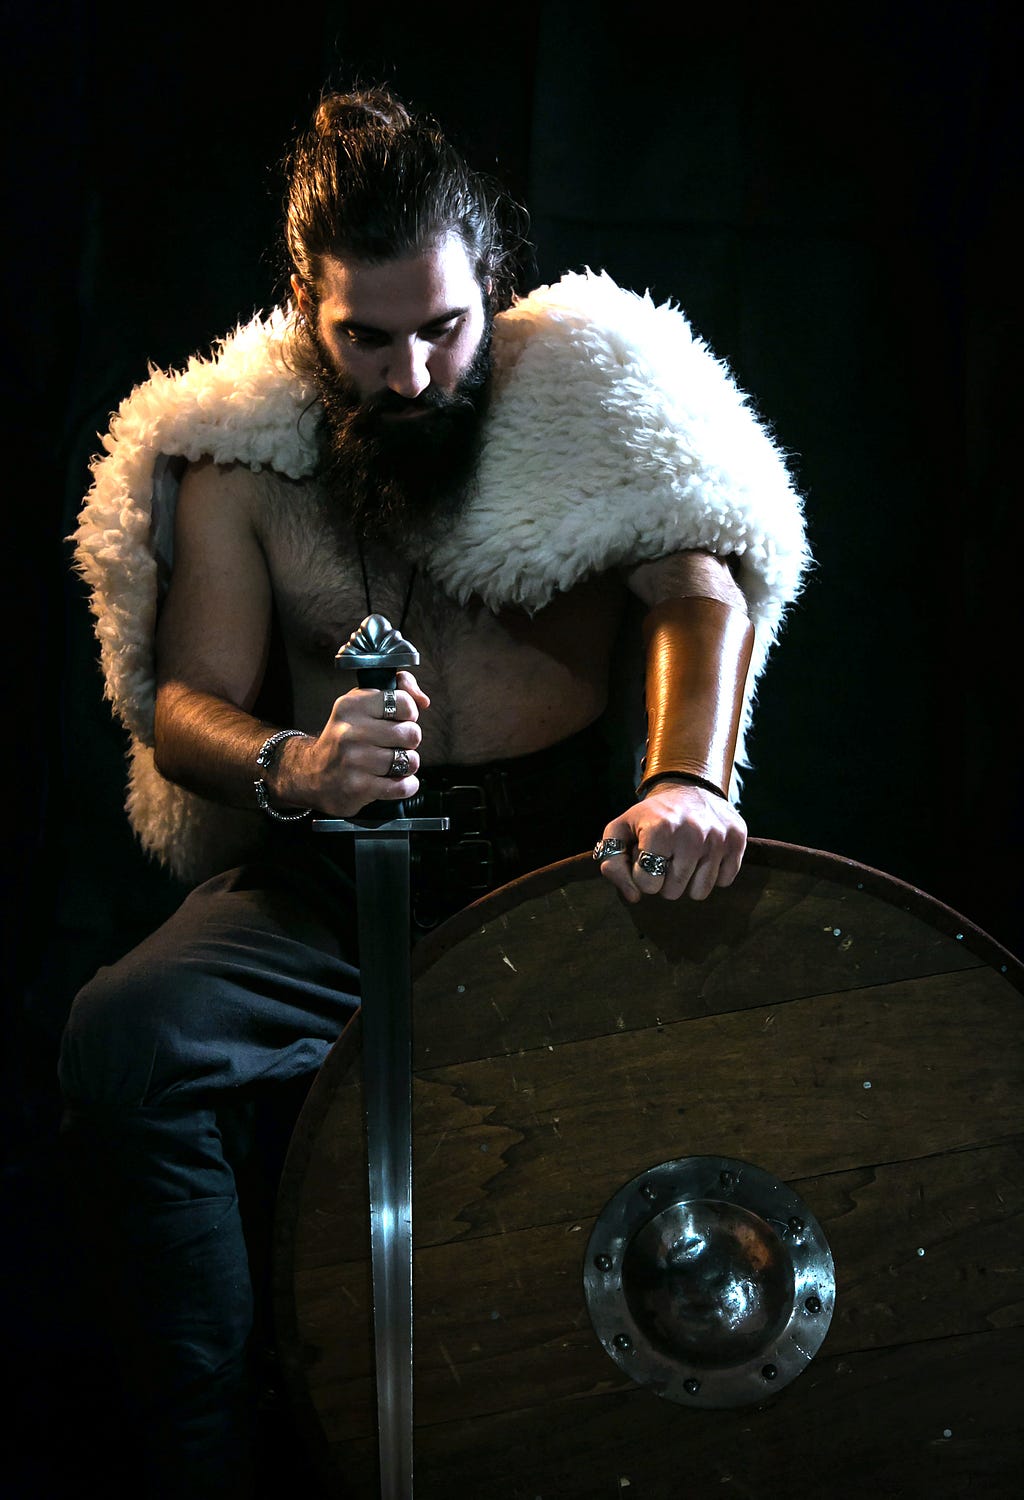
(114, 1034)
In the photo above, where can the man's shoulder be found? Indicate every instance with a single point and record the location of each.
(262, 496)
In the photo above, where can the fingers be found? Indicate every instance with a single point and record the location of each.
(653, 863)
(704, 876)
(408, 684)
(374, 717)
(648, 872)
(732, 859)
(382, 773)
(369, 749)
(684, 841)
(400, 775)
(395, 764)
(396, 705)
(617, 866)
(651, 867)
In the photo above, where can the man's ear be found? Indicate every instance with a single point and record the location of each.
(303, 301)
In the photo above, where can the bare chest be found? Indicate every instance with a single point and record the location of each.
(500, 684)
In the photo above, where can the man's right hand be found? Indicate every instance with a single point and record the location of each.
(213, 641)
(346, 767)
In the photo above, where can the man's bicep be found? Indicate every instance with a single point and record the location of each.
(214, 628)
(681, 574)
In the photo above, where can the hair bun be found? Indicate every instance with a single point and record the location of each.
(339, 114)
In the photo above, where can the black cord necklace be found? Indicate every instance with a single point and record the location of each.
(366, 586)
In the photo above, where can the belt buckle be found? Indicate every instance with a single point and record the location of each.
(466, 806)
(469, 858)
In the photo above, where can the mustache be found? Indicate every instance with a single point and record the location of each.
(360, 413)
(389, 403)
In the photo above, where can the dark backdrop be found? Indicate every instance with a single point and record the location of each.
(825, 193)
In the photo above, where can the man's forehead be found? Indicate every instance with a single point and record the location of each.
(410, 289)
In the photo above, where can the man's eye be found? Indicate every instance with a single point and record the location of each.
(441, 330)
(364, 340)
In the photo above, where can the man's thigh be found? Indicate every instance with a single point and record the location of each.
(251, 980)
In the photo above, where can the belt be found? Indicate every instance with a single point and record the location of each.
(506, 818)
(480, 850)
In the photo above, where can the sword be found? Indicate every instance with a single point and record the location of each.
(376, 652)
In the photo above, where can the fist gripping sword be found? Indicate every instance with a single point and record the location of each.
(375, 652)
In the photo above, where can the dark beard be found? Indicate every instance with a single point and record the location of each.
(395, 479)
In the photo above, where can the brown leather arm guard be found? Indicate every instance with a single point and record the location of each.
(698, 655)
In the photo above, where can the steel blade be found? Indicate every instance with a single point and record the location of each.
(382, 871)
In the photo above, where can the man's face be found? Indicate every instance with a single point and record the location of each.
(403, 361)
(407, 325)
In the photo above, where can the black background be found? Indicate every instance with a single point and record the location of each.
(827, 194)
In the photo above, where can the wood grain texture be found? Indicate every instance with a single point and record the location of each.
(865, 1424)
(576, 961)
(568, 1043)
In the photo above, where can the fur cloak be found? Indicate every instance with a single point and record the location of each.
(614, 436)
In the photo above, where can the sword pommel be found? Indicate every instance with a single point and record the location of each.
(376, 645)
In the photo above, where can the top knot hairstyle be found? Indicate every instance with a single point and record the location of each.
(372, 182)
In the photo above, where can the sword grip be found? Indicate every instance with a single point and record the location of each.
(377, 677)
(375, 652)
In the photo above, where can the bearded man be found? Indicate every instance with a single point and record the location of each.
(507, 481)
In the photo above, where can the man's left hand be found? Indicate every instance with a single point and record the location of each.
(700, 836)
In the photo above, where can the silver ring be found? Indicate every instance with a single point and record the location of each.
(399, 765)
(390, 704)
(608, 848)
(653, 864)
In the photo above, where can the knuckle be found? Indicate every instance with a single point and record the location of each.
(689, 833)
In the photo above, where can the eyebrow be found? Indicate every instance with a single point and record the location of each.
(352, 325)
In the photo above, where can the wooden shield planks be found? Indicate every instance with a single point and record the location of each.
(825, 1022)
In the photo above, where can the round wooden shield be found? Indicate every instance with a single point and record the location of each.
(839, 1030)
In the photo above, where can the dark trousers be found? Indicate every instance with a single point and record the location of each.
(172, 1056)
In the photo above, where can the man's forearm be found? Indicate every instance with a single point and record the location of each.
(209, 746)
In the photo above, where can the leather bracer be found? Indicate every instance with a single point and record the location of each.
(698, 655)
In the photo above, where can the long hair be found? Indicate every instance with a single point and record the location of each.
(372, 182)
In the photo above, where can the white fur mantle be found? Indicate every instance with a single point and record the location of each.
(614, 436)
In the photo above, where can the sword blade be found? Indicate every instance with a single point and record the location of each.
(382, 871)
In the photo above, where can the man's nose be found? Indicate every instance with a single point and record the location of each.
(407, 372)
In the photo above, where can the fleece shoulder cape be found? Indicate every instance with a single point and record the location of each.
(614, 436)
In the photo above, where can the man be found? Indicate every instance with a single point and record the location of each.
(455, 481)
